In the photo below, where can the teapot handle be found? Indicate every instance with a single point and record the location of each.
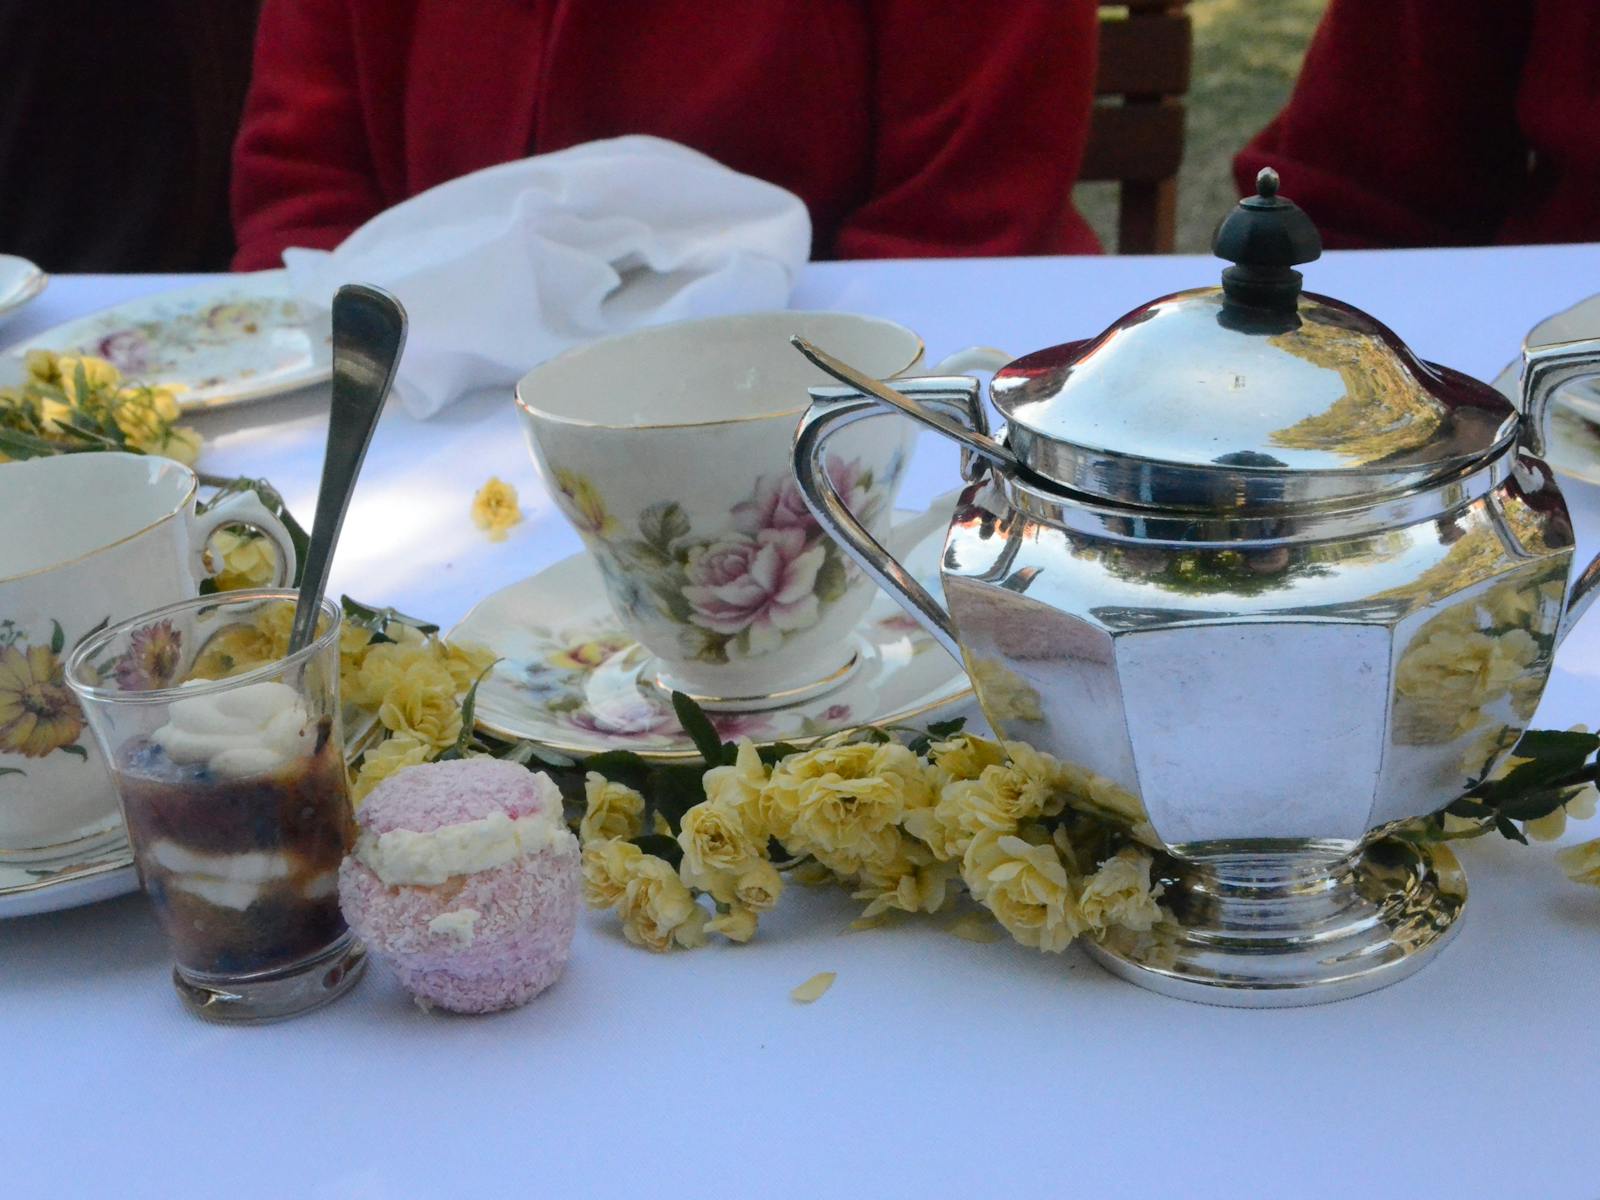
(1545, 370)
(832, 409)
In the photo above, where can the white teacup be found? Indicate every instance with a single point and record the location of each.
(669, 449)
(89, 540)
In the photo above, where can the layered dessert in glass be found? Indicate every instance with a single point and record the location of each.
(236, 799)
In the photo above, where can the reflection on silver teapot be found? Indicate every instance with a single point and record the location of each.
(1271, 580)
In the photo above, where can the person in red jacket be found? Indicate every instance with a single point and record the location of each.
(1443, 122)
(909, 127)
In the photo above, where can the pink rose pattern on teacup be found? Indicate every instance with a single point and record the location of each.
(761, 588)
(744, 590)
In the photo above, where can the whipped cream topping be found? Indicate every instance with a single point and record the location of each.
(404, 856)
(244, 731)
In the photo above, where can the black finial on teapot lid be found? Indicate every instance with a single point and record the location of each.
(1266, 236)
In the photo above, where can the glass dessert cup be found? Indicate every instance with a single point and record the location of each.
(234, 791)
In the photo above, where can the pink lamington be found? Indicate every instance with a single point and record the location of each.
(526, 909)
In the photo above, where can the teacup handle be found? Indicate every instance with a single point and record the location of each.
(241, 508)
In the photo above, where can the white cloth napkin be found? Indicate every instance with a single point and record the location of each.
(505, 267)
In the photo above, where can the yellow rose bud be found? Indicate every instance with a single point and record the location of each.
(99, 374)
(495, 509)
(232, 651)
(963, 757)
(385, 759)
(1001, 798)
(657, 909)
(613, 811)
(1026, 888)
(739, 787)
(42, 365)
(714, 842)
(423, 703)
(382, 668)
(465, 662)
(1581, 862)
(738, 924)
(607, 867)
(1119, 893)
(840, 802)
(759, 887)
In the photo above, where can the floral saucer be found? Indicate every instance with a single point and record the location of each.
(91, 870)
(571, 681)
(20, 282)
(226, 341)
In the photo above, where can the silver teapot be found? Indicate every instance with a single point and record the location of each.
(1272, 581)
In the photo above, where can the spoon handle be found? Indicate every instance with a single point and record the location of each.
(369, 332)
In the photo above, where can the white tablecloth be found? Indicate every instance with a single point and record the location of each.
(935, 1066)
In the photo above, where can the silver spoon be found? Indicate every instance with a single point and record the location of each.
(369, 332)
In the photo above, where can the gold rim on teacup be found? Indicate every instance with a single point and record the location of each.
(177, 510)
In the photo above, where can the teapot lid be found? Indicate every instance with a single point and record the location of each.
(1249, 396)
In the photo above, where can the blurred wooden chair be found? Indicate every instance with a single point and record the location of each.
(1136, 134)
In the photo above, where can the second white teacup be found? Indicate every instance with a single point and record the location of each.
(90, 539)
(668, 448)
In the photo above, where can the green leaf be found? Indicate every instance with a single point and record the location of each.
(103, 622)
(469, 706)
(76, 750)
(1557, 759)
(943, 730)
(660, 845)
(58, 639)
(525, 753)
(832, 577)
(642, 557)
(12, 771)
(662, 525)
(1508, 829)
(378, 620)
(1533, 805)
(18, 445)
(700, 730)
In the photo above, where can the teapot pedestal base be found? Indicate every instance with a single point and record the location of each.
(1274, 927)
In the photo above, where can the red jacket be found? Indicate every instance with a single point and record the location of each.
(1444, 122)
(909, 127)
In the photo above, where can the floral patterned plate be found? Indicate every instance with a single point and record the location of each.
(96, 870)
(569, 678)
(228, 340)
(20, 282)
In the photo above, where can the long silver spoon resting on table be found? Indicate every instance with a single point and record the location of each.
(369, 332)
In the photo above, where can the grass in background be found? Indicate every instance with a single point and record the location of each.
(1246, 56)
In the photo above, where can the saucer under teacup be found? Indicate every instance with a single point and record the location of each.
(569, 679)
(82, 872)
